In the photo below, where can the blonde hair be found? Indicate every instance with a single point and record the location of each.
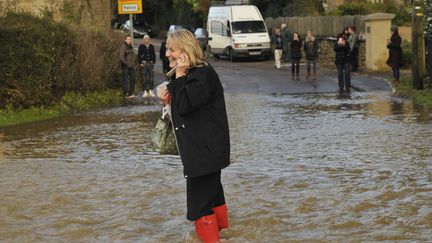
(188, 44)
(312, 38)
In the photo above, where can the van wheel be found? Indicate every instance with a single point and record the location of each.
(230, 54)
(216, 56)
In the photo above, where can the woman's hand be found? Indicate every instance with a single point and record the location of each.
(163, 93)
(183, 65)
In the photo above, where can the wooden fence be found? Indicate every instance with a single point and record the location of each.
(322, 26)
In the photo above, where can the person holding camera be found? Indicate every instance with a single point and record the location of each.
(342, 61)
(296, 45)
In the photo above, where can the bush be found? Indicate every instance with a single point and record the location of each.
(406, 53)
(402, 13)
(42, 60)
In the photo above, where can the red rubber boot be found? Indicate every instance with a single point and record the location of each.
(207, 228)
(222, 216)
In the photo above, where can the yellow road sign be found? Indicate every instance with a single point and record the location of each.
(129, 6)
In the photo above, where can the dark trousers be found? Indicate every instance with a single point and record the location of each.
(354, 60)
(147, 76)
(128, 77)
(311, 63)
(395, 70)
(295, 65)
(203, 194)
(344, 76)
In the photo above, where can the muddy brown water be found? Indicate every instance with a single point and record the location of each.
(304, 168)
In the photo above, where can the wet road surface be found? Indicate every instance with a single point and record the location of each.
(306, 166)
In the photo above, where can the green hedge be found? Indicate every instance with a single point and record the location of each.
(41, 60)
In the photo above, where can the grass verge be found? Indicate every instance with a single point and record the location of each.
(70, 103)
(421, 97)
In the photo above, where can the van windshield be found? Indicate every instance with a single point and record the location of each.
(242, 27)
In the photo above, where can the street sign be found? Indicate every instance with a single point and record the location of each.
(129, 6)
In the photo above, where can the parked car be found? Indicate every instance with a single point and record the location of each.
(181, 26)
(140, 28)
(202, 37)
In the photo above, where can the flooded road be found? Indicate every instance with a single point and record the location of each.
(304, 168)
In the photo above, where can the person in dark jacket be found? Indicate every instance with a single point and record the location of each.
(296, 45)
(162, 56)
(278, 47)
(127, 63)
(354, 42)
(201, 128)
(310, 49)
(342, 50)
(286, 40)
(147, 59)
(395, 53)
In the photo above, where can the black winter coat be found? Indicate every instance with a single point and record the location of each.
(342, 55)
(310, 49)
(200, 121)
(277, 41)
(395, 51)
(296, 46)
(146, 55)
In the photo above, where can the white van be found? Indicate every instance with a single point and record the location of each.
(237, 31)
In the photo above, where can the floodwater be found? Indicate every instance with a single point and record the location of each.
(304, 168)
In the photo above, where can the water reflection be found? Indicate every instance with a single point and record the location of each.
(305, 168)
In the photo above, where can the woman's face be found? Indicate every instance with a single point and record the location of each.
(172, 53)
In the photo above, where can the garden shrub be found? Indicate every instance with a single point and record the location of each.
(41, 60)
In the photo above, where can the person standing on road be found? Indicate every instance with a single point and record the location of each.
(296, 45)
(395, 53)
(278, 47)
(286, 40)
(147, 59)
(162, 56)
(310, 49)
(342, 50)
(201, 128)
(353, 41)
(127, 63)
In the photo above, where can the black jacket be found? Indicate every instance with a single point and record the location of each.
(296, 46)
(162, 51)
(277, 41)
(146, 55)
(395, 51)
(310, 49)
(200, 121)
(342, 53)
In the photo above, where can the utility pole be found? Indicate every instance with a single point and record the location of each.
(428, 33)
(131, 29)
(418, 45)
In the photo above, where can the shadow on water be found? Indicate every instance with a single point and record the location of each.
(304, 168)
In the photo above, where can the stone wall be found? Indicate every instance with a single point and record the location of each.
(326, 56)
(90, 13)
